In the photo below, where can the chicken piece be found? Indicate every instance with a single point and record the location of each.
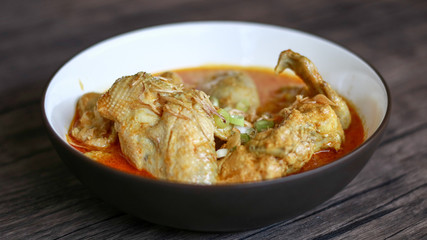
(162, 127)
(307, 71)
(233, 89)
(90, 128)
(310, 124)
(244, 166)
(99, 155)
(173, 77)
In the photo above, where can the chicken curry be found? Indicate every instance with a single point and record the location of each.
(211, 125)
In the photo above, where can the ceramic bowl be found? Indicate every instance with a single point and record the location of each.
(230, 207)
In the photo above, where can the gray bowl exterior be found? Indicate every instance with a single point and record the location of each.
(219, 207)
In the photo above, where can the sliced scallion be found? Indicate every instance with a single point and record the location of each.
(224, 121)
(262, 125)
(220, 153)
(237, 120)
(244, 138)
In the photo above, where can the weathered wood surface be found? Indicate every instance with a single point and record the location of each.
(41, 199)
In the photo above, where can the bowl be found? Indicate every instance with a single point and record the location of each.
(230, 207)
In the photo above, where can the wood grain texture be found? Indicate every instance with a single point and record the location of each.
(41, 199)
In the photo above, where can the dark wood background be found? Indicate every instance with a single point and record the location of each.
(41, 199)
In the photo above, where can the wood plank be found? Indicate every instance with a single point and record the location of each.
(40, 198)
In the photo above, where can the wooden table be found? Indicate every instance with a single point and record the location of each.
(40, 198)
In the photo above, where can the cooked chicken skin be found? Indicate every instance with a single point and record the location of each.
(243, 165)
(310, 124)
(307, 71)
(90, 128)
(233, 89)
(162, 127)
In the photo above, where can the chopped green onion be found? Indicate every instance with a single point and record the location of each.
(225, 114)
(220, 153)
(251, 132)
(244, 137)
(262, 125)
(214, 101)
(222, 122)
(237, 120)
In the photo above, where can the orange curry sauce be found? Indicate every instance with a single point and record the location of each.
(268, 84)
